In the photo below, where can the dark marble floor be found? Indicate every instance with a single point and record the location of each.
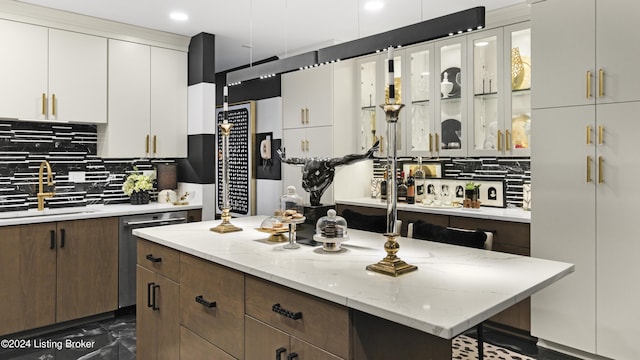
(113, 339)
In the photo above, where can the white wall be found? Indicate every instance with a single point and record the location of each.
(268, 119)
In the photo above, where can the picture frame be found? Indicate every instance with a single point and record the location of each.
(491, 192)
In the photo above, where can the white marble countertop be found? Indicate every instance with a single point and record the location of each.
(454, 288)
(484, 212)
(34, 216)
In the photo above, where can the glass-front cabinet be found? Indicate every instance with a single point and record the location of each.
(374, 92)
(421, 130)
(500, 102)
(450, 106)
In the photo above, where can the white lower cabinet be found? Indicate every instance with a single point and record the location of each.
(584, 183)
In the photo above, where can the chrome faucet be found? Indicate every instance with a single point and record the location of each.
(43, 195)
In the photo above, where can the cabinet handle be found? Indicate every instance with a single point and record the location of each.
(290, 314)
(302, 116)
(302, 145)
(209, 304)
(381, 145)
(588, 134)
(588, 84)
(146, 145)
(155, 304)
(307, 142)
(430, 143)
(588, 168)
(292, 356)
(306, 110)
(507, 140)
(149, 290)
(600, 134)
(600, 169)
(44, 104)
(53, 104)
(601, 83)
(437, 143)
(52, 233)
(62, 237)
(279, 352)
(153, 259)
(155, 144)
(499, 140)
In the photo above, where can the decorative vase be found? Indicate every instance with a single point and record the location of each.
(139, 197)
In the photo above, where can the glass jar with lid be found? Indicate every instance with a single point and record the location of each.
(291, 200)
(331, 231)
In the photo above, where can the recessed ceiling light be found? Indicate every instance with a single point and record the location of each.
(178, 16)
(374, 5)
(482, 43)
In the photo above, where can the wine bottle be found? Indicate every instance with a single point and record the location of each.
(383, 187)
(411, 188)
(402, 189)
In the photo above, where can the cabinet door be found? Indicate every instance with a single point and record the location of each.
(309, 352)
(563, 54)
(370, 127)
(27, 277)
(420, 129)
(168, 303)
(294, 88)
(146, 322)
(77, 77)
(168, 103)
(193, 346)
(307, 97)
(87, 268)
(23, 70)
(451, 107)
(262, 341)
(617, 54)
(618, 293)
(563, 223)
(127, 134)
(517, 115)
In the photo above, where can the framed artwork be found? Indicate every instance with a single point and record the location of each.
(492, 192)
(267, 162)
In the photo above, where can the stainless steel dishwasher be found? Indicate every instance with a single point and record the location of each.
(127, 249)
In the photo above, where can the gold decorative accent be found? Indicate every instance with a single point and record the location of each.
(53, 104)
(41, 194)
(437, 143)
(600, 169)
(225, 226)
(275, 235)
(600, 135)
(601, 83)
(520, 70)
(430, 142)
(155, 144)
(499, 140)
(588, 134)
(44, 104)
(146, 146)
(507, 141)
(588, 168)
(301, 115)
(588, 84)
(391, 264)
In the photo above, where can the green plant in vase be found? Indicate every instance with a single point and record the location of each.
(471, 195)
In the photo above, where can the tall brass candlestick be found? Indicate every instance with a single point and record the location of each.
(392, 264)
(225, 129)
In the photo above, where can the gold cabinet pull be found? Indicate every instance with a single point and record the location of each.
(302, 145)
(307, 143)
(600, 169)
(306, 117)
(146, 146)
(44, 104)
(381, 145)
(588, 134)
(588, 168)
(437, 143)
(302, 115)
(155, 144)
(588, 84)
(600, 134)
(507, 140)
(53, 104)
(601, 83)
(499, 140)
(430, 142)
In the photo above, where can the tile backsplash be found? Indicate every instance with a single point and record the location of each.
(80, 176)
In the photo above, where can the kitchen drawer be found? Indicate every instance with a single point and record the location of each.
(159, 259)
(322, 323)
(193, 346)
(222, 324)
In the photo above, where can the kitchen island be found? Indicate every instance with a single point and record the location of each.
(454, 289)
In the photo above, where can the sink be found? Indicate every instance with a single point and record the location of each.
(45, 212)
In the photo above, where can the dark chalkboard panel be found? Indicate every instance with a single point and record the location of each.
(241, 177)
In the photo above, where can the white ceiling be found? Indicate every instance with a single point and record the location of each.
(250, 30)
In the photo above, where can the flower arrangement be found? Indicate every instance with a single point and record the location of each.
(137, 182)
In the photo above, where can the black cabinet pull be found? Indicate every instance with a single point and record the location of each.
(279, 352)
(154, 259)
(292, 356)
(201, 300)
(149, 289)
(53, 239)
(155, 304)
(62, 237)
(290, 314)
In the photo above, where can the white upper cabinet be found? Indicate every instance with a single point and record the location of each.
(307, 97)
(147, 102)
(77, 77)
(421, 127)
(51, 74)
